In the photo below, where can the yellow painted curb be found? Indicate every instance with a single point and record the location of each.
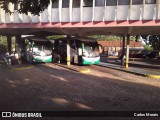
(153, 76)
(22, 68)
(84, 71)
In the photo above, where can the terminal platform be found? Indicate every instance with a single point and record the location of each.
(142, 71)
(152, 73)
(135, 70)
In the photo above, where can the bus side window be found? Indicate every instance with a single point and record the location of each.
(79, 51)
(79, 47)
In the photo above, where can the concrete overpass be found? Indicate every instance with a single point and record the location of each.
(86, 17)
(80, 17)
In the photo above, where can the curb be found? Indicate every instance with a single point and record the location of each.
(153, 76)
(85, 71)
(140, 74)
(21, 68)
(81, 71)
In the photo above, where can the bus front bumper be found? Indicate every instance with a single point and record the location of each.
(89, 61)
(42, 59)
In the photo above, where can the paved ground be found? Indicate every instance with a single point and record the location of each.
(146, 67)
(151, 64)
(48, 87)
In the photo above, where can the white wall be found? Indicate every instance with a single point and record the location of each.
(99, 13)
(55, 15)
(149, 12)
(110, 13)
(123, 12)
(136, 12)
(65, 15)
(76, 15)
(87, 13)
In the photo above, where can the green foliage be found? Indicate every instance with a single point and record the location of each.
(153, 40)
(108, 37)
(104, 37)
(148, 47)
(3, 44)
(53, 37)
(3, 40)
(25, 6)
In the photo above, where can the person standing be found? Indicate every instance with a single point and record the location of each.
(123, 60)
(16, 58)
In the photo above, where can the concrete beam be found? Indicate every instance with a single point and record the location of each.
(130, 30)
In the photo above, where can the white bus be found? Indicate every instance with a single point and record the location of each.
(38, 49)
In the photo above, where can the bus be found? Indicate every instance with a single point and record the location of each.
(83, 50)
(38, 49)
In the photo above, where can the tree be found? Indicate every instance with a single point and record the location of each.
(25, 6)
(109, 37)
(153, 40)
(148, 47)
(54, 37)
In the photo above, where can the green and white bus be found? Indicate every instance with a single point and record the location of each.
(38, 49)
(83, 50)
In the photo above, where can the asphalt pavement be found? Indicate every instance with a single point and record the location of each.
(49, 87)
(142, 67)
(147, 68)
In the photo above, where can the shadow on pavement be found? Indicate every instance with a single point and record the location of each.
(54, 89)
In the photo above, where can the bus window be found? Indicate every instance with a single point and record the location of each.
(79, 51)
(150, 2)
(99, 2)
(91, 49)
(137, 2)
(16, 6)
(111, 3)
(87, 3)
(123, 2)
(65, 3)
(55, 4)
(76, 3)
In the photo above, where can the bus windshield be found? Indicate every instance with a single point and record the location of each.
(91, 49)
(42, 48)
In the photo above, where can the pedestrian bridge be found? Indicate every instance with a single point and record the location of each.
(79, 16)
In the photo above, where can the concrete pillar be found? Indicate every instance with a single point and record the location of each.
(123, 50)
(19, 46)
(9, 43)
(127, 50)
(68, 51)
(81, 9)
(123, 45)
(70, 9)
(60, 10)
(18, 42)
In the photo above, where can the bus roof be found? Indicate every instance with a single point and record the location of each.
(36, 38)
(79, 38)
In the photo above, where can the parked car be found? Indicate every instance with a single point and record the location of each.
(150, 54)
